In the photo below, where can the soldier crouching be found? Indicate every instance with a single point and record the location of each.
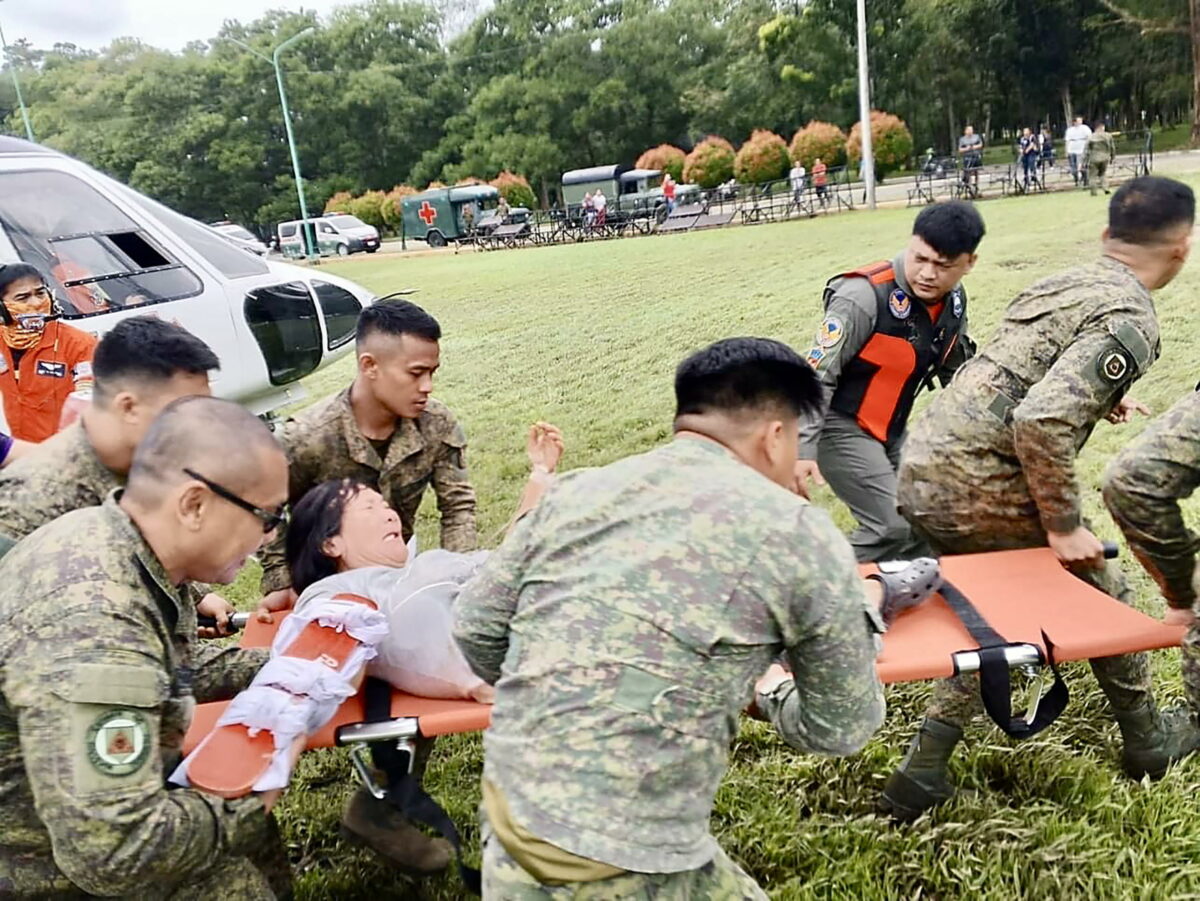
(100, 671)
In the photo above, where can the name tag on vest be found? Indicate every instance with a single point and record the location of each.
(52, 370)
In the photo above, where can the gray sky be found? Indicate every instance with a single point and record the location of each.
(169, 24)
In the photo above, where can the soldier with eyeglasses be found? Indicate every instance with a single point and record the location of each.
(100, 671)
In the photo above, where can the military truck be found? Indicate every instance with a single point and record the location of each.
(436, 215)
(630, 192)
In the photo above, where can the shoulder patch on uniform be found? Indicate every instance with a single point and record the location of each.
(831, 331)
(1134, 342)
(83, 370)
(118, 742)
(815, 356)
(899, 304)
(956, 304)
(1113, 364)
(51, 370)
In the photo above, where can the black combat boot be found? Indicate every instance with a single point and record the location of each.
(1153, 740)
(382, 828)
(921, 783)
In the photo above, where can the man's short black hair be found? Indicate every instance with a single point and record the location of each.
(148, 350)
(396, 317)
(1145, 209)
(739, 375)
(951, 228)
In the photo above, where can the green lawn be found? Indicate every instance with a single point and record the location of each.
(587, 336)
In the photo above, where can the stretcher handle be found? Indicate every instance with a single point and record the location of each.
(399, 729)
(236, 621)
(1014, 655)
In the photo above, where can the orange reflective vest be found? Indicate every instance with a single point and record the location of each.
(877, 388)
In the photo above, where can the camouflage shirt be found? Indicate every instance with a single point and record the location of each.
(1143, 487)
(62, 475)
(99, 672)
(324, 442)
(624, 623)
(1001, 440)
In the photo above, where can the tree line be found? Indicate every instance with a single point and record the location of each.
(381, 96)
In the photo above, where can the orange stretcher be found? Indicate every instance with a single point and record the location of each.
(1043, 612)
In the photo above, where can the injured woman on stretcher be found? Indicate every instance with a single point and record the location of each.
(345, 539)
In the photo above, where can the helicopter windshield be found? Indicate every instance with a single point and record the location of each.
(96, 257)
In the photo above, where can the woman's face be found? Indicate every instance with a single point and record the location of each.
(370, 534)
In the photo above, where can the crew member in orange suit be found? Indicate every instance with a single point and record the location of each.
(890, 328)
(42, 360)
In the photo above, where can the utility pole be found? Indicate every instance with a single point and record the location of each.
(17, 84)
(309, 250)
(867, 168)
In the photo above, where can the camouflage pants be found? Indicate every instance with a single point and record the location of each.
(718, 880)
(1125, 680)
(1097, 176)
(1189, 662)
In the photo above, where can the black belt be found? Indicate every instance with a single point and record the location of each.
(404, 790)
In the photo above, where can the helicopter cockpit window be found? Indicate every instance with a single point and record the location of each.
(97, 258)
(283, 320)
(340, 309)
(230, 260)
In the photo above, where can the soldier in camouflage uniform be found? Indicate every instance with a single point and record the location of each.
(100, 671)
(384, 431)
(1142, 489)
(140, 366)
(624, 623)
(889, 329)
(990, 465)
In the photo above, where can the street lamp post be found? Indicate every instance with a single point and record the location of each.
(17, 85)
(273, 59)
(864, 108)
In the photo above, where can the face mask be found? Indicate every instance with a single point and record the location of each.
(29, 320)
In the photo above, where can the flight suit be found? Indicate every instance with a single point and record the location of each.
(34, 392)
(874, 351)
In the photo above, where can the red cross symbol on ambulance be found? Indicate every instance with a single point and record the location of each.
(427, 213)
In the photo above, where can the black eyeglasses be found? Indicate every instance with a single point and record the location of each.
(270, 520)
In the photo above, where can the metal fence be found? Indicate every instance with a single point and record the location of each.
(936, 178)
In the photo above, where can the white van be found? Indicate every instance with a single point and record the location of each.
(338, 233)
(242, 237)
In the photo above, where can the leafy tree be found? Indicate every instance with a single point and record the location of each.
(891, 142)
(666, 157)
(515, 189)
(821, 140)
(710, 163)
(762, 158)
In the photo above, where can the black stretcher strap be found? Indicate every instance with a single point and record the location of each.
(995, 684)
(404, 790)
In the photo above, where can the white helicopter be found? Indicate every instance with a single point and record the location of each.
(111, 252)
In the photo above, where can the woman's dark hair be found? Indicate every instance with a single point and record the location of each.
(316, 519)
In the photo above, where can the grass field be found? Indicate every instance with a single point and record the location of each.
(587, 336)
